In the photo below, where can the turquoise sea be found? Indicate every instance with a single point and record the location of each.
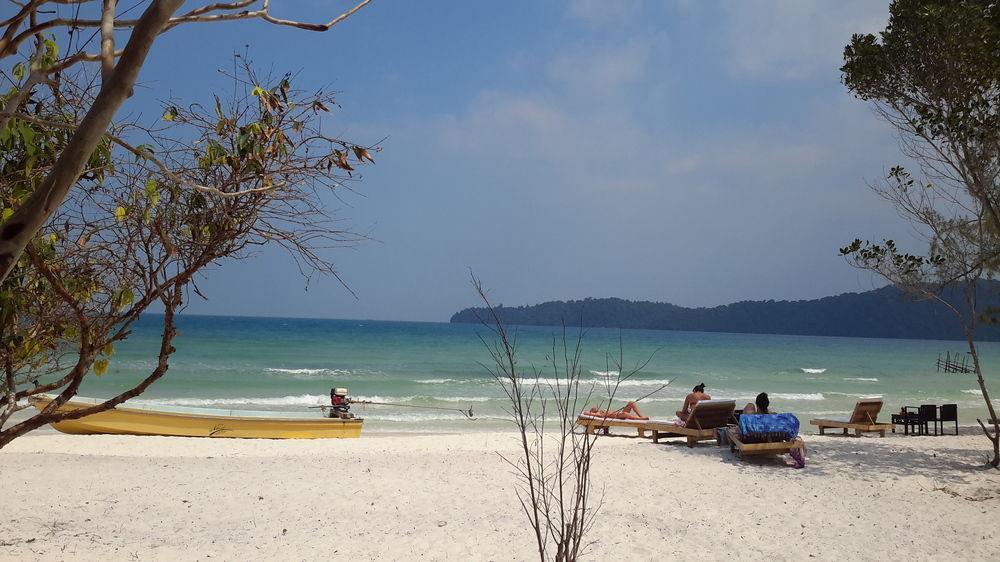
(290, 364)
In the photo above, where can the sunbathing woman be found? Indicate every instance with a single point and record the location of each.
(629, 412)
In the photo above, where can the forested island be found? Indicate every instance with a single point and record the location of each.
(881, 313)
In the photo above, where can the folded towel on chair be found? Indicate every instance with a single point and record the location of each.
(768, 427)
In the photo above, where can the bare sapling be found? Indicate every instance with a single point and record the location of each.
(553, 464)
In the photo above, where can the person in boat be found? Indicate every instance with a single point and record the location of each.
(760, 405)
(629, 412)
(696, 395)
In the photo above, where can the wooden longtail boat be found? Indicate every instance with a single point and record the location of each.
(200, 422)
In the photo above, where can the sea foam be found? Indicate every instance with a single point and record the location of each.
(812, 371)
(300, 400)
(795, 396)
(861, 379)
(320, 373)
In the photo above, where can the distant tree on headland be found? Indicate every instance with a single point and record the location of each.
(882, 313)
(934, 75)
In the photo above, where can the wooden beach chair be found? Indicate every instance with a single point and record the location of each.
(776, 447)
(706, 416)
(593, 424)
(864, 419)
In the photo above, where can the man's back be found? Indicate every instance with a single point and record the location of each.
(693, 398)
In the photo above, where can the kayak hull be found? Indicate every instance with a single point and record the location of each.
(136, 421)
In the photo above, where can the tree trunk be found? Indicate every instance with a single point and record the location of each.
(995, 438)
(21, 227)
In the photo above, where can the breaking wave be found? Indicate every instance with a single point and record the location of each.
(795, 396)
(584, 383)
(862, 379)
(315, 373)
(812, 371)
(300, 400)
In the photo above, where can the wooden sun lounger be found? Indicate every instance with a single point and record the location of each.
(705, 417)
(742, 449)
(864, 419)
(592, 424)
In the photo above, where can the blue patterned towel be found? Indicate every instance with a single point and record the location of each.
(762, 426)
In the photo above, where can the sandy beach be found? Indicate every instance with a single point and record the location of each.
(449, 497)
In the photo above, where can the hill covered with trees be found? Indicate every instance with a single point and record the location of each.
(881, 313)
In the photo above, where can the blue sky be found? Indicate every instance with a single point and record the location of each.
(692, 152)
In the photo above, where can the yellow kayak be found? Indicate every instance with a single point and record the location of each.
(198, 422)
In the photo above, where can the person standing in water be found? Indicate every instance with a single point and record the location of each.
(697, 395)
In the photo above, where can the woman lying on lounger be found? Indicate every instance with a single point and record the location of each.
(629, 412)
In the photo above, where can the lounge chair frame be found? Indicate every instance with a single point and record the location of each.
(742, 449)
(706, 416)
(596, 423)
(864, 419)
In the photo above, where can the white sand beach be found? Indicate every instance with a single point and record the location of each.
(450, 497)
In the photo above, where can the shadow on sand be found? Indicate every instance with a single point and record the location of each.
(865, 458)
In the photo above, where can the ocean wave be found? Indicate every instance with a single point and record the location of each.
(464, 398)
(974, 391)
(812, 371)
(416, 417)
(861, 379)
(855, 395)
(300, 400)
(434, 381)
(299, 371)
(813, 396)
(319, 373)
(598, 384)
(605, 374)
(796, 396)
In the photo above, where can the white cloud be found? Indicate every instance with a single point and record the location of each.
(792, 39)
(600, 71)
(603, 12)
(585, 184)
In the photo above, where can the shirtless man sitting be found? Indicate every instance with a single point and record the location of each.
(697, 395)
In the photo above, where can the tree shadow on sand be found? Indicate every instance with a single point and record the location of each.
(865, 458)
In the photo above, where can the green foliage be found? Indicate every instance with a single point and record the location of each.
(937, 63)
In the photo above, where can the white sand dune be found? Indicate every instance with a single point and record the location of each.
(449, 497)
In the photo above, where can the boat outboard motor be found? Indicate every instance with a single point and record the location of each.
(340, 404)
